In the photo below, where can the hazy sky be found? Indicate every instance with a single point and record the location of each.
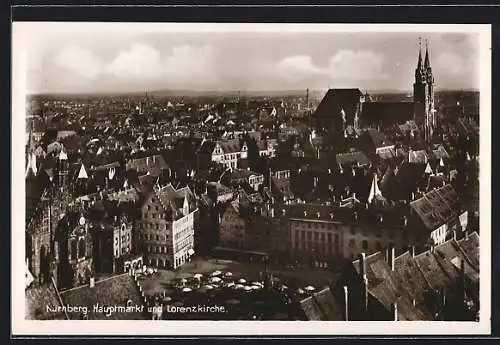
(98, 57)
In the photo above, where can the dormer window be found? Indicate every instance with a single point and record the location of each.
(380, 218)
(318, 215)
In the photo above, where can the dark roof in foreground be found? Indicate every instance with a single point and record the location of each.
(41, 303)
(114, 291)
(321, 306)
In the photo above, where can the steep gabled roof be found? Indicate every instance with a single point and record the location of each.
(411, 278)
(375, 138)
(470, 246)
(321, 306)
(336, 100)
(154, 164)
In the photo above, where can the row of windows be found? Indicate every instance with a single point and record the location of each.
(317, 225)
(157, 250)
(124, 250)
(153, 237)
(182, 244)
(182, 233)
(124, 239)
(153, 215)
(317, 236)
(156, 226)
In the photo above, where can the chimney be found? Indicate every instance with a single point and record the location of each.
(455, 235)
(346, 303)
(92, 282)
(392, 257)
(394, 310)
(362, 265)
(462, 278)
(147, 161)
(412, 249)
(271, 211)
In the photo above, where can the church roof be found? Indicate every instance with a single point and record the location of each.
(386, 114)
(336, 100)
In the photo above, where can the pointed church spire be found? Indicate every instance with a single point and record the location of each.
(419, 71)
(374, 190)
(83, 173)
(419, 63)
(427, 63)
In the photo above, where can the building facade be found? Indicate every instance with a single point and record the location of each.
(165, 230)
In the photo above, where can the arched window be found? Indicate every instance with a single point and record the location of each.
(81, 248)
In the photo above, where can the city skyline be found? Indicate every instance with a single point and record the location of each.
(102, 58)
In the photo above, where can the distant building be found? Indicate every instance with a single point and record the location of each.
(344, 111)
(253, 179)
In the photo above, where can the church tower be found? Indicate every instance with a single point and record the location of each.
(423, 95)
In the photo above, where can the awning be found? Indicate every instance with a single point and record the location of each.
(190, 251)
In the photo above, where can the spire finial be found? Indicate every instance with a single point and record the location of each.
(427, 63)
(419, 64)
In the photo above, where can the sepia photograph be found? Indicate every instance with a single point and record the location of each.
(266, 174)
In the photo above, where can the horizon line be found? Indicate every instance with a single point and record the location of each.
(294, 90)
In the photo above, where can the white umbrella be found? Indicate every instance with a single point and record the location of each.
(247, 288)
(183, 280)
(257, 283)
(239, 286)
(231, 284)
(150, 270)
(186, 289)
(215, 280)
(300, 291)
(284, 287)
(309, 288)
(242, 281)
(209, 287)
(255, 287)
(228, 274)
(198, 275)
(216, 273)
